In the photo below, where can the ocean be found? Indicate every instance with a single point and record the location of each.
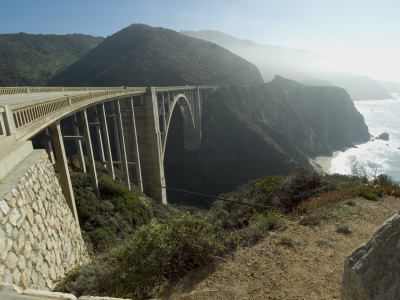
(376, 156)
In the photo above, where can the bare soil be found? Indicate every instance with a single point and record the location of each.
(294, 262)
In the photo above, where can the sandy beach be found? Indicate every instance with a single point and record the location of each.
(322, 164)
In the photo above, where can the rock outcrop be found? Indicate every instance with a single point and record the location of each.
(372, 271)
(384, 136)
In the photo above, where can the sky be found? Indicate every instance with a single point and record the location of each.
(360, 36)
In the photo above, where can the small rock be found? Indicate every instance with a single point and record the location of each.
(384, 136)
(4, 207)
(11, 260)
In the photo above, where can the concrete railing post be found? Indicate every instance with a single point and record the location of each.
(9, 121)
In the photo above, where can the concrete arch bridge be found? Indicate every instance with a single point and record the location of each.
(130, 130)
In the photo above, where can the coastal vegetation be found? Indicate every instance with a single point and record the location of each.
(149, 253)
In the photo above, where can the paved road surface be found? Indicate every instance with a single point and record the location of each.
(26, 98)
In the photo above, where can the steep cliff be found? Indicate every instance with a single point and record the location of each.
(252, 131)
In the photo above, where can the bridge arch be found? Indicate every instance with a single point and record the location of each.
(183, 102)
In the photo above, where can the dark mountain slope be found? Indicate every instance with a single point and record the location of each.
(140, 55)
(253, 131)
(32, 59)
(300, 65)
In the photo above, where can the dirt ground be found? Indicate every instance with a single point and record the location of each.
(295, 262)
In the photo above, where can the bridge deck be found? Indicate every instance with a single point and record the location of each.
(27, 98)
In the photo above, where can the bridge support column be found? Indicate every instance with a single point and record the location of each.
(61, 167)
(99, 139)
(150, 149)
(136, 148)
(89, 152)
(116, 135)
(192, 134)
(123, 146)
(110, 166)
(78, 144)
(48, 146)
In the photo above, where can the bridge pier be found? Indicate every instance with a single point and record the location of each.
(110, 166)
(124, 160)
(150, 146)
(97, 124)
(116, 135)
(192, 127)
(136, 147)
(89, 152)
(61, 167)
(48, 146)
(78, 144)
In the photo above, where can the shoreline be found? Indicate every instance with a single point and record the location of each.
(322, 164)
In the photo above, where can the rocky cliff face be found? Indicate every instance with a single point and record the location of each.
(253, 131)
(372, 271)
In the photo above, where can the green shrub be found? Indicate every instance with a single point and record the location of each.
(385, 180)
(150, 259)
(301, 186)
(111, 187)
(103, 237)
(368, 191)
(80, 180)
(268, 188)
(113, 216)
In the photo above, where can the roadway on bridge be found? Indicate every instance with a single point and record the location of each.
(27, 98)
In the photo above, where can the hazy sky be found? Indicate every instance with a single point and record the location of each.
(362, 36)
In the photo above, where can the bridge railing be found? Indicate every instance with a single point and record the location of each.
(30, 90)
(28, 118)
(3, 130)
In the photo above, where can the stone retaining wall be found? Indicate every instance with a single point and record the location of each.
(39, 238)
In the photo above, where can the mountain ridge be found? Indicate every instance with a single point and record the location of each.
(301, 65)
(140, 55)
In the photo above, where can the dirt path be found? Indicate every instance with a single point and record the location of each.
(298, 262)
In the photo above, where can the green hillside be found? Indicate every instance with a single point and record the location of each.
(32, 59)
(140, 55)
